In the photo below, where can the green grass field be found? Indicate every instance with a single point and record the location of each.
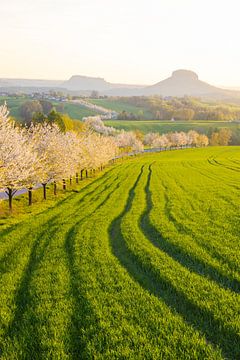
(161, 126)
(119, 106)
(75, 111)
(14, 105)
(142, 262)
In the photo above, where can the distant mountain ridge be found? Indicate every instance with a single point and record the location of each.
(181, 83)
(79, 82)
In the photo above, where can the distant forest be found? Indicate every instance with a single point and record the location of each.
(186, 108)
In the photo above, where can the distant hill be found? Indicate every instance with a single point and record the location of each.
(79, 82)
(181, 83)
(87, 83)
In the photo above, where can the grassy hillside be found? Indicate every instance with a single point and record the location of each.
(75, 111)
(119, 106)
(161, 126)
(14, 104)
(155, 277)
(182, 109)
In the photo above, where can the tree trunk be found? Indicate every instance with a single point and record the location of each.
(55, 188)
(30, 196)
(70, 180)
(64, 184)
(10, 196)
(76, 178)
(82, 174)
(44, 191)
(86, 174)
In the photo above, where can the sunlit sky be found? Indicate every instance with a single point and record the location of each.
(127, 41)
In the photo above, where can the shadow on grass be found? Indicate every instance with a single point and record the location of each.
(99, 187)
(176, 252)
(84, 324)
(202, 320)
(24, 328)
(11, 228)
(104, 178)
(99, 182)
(6, 261)
(231, 283)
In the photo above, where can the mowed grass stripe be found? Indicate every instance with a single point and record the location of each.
(22, 239)
(31, 260)
(20, 230)
(188, 213)
(119, 231)
(177, 243)
(216, 314)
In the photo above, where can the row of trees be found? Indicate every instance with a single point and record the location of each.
(176, 139)
(42, 153)
(127, 141)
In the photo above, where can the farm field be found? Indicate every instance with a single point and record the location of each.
(142, 262)
(163, 126)
(75, 111)
(14, 105)
(119, 106)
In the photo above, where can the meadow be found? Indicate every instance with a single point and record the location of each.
(14, 104)
(155, 277)
(118, 105)
(166, 126)
(75, 111)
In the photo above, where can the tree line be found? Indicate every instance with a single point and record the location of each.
(136, 140)
(186, 108)
(43, 153)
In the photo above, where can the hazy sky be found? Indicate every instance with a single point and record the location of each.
(133, 41)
